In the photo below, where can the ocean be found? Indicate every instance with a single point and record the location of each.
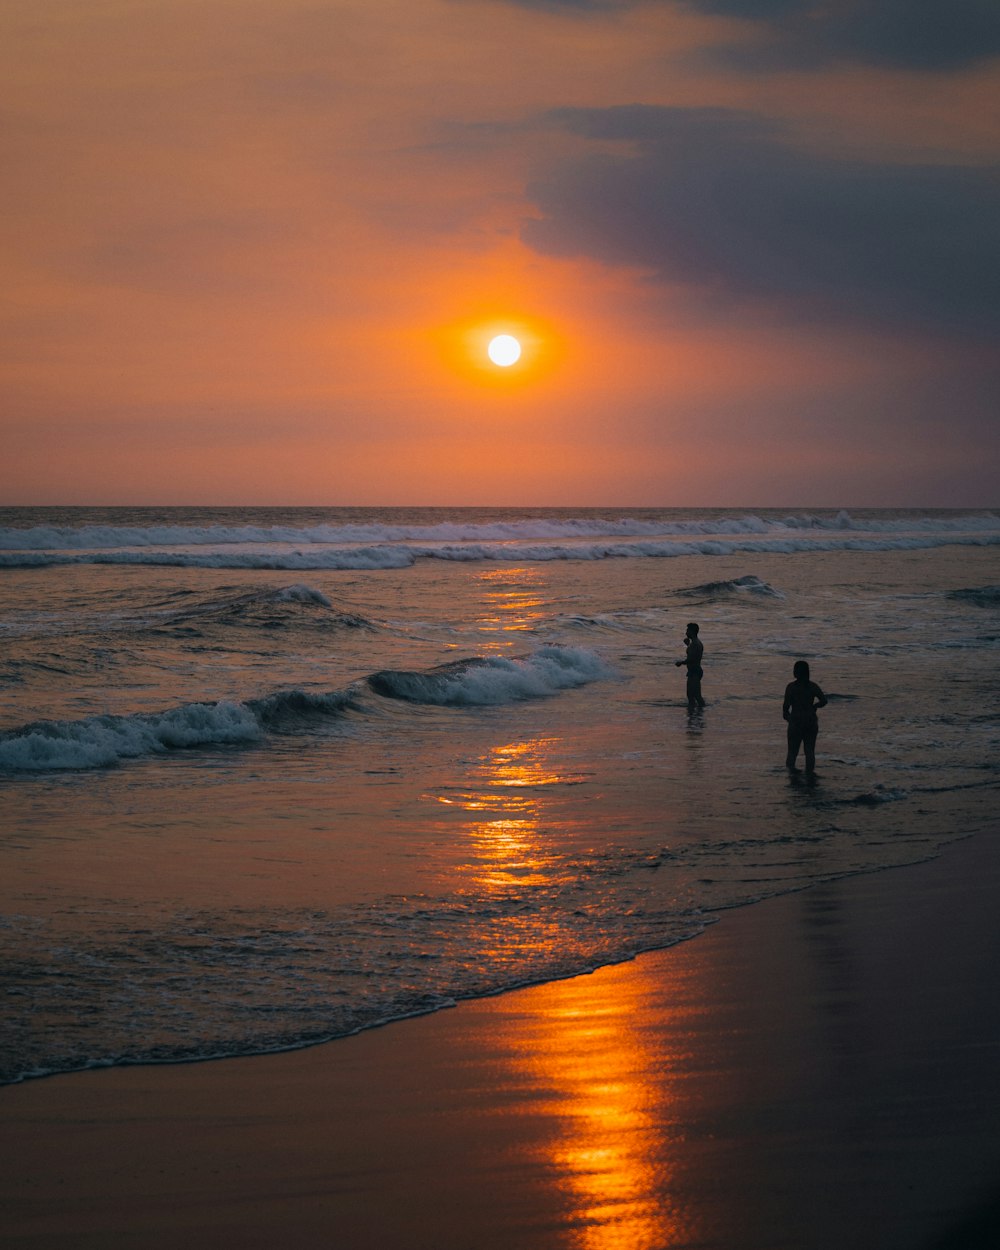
(272, 776)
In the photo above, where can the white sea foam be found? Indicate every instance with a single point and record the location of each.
(300, 593)
(749, 585)
(99, 741)
(398, 557)
(320, 558)
(495, 680)
(522, 529)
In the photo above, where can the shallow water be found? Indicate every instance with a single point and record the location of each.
(249, 807)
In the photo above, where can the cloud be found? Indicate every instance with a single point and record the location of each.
(935, 35)
(721, 201)
(905, 34)
(575, 6)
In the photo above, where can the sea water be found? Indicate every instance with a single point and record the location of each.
(271, 776)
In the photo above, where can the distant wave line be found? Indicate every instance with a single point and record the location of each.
(399, 557)
(62, 538)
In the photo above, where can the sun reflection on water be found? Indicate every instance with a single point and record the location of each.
(513, 604)
(603, 1084)
(510, 794)
(607, 1091)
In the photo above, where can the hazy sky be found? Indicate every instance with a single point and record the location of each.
(253, 250)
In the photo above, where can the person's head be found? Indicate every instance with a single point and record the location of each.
(801, 670)
(692, 629)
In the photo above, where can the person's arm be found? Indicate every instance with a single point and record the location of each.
(819, 695)
(786, 706)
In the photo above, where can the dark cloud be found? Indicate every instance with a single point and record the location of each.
(722, 201)
(935, 35)
(575, 6)
(753, 9)
(906, 34)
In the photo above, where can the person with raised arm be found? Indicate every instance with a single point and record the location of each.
(695, 650)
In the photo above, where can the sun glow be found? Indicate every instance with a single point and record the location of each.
(504, 350)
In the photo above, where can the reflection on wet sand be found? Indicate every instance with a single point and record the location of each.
(609, 1090)
(599, 1080)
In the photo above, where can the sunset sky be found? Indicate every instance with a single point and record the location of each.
(253, 251)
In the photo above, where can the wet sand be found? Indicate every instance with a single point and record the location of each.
(817, 1071)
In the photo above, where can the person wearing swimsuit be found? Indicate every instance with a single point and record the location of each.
(802, 698)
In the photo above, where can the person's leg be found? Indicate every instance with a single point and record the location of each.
(809, 742)
(794, 742)
(694, 690)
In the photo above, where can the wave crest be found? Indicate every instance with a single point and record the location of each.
(301, 593)
(351, 559)
(984, 596)
(665, 543)
(493, 680)
(102, 741)
(99, 741)
(261, 607)
(287, 710)
(519, 529)
(748, 585)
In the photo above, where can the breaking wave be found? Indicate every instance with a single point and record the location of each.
(103, 741)
(984, 596)
(61, 538)
(394, 557)
(270, 608)
(749, 585)
(99, 741)
(288, 711)
(394, 546)
(301, 593)
(494, 680)
(360, 559)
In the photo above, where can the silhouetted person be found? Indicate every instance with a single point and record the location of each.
(695, 650)
(802, 698)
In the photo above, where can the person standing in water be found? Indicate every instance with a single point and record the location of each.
(695, 650)
(802, 698)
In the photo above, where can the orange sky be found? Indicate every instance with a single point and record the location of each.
(251, 249)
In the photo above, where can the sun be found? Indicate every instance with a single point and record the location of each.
(504, 350)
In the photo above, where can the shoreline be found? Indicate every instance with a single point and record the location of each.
(816, 1069)
(718, 914)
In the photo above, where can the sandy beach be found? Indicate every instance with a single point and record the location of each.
(818, 1070)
